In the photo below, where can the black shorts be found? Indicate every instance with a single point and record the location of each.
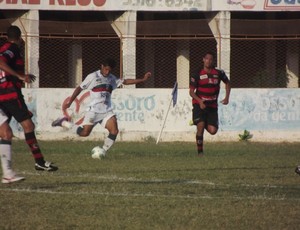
(17, 109)
(208, 115)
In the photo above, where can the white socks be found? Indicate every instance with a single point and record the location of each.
(108, 143)
(6, 163)
(67, 124)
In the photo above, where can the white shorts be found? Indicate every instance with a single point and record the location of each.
(3, 117)
(92, 118)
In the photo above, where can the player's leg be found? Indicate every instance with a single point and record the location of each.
(87, 125)
(84, 130)
(111, 124)
(62, 122)
(108, 121)
(199, 137)
(32, 142)
(6, 135)
(212, 121)
(212, 129)
(199, 121)
(18, 109)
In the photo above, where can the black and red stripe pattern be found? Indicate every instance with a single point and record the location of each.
(34, 146)
(207, 86)
(10, 85)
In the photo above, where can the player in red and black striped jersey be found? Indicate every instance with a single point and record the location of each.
(204, 90)
(12, 102)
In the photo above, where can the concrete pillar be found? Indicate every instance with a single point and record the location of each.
(220, 27)
(125, 27)
(183, 64)
(75, 64)
(29, 24)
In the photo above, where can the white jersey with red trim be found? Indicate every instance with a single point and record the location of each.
(100, 91)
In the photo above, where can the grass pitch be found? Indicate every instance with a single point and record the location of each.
(236, 185)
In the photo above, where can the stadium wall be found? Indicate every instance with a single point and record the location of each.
(271, 115)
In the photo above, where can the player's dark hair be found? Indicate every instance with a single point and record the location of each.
(13, 32)
(109, 62)
(209, 53)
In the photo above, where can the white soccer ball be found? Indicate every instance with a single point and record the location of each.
(98, 152)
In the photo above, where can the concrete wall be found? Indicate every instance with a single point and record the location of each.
(269, 114)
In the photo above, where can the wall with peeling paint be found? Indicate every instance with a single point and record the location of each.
(269, 114)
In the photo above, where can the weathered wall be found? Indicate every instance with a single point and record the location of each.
(269, 114)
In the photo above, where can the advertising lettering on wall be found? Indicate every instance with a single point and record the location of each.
(167, 4)
(134, 108)
(128, 108)
(54, 2)
(245, 4)
(262, 110)
(111, 5)
(282, 5)
(152, 5)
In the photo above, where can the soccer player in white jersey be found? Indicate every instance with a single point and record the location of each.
(101, 84)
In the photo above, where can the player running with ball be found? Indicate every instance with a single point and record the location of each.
(204, 89)
(100, 84)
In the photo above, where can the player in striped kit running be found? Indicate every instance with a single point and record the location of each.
(204, 90)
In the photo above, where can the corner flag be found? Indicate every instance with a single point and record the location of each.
(174, 99)
(175, 93)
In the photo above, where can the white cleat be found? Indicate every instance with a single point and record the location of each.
(6, 180)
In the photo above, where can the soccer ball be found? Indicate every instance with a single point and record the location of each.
(297, 170)
(98, 152)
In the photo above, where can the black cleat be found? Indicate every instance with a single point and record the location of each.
(46, 166)
(297, 170)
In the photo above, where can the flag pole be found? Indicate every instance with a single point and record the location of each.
(159, 135)
(174, 100)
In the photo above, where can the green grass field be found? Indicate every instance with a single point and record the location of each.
(236, 185)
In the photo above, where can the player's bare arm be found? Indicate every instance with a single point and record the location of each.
(76, 92)
(225, 101)
(6, 68)
(136, 81)
(194, 96)
(29, 78)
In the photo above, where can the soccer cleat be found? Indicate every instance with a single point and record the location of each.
(46, 166)
(6, 180)
(59, 121)
(297, 170)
